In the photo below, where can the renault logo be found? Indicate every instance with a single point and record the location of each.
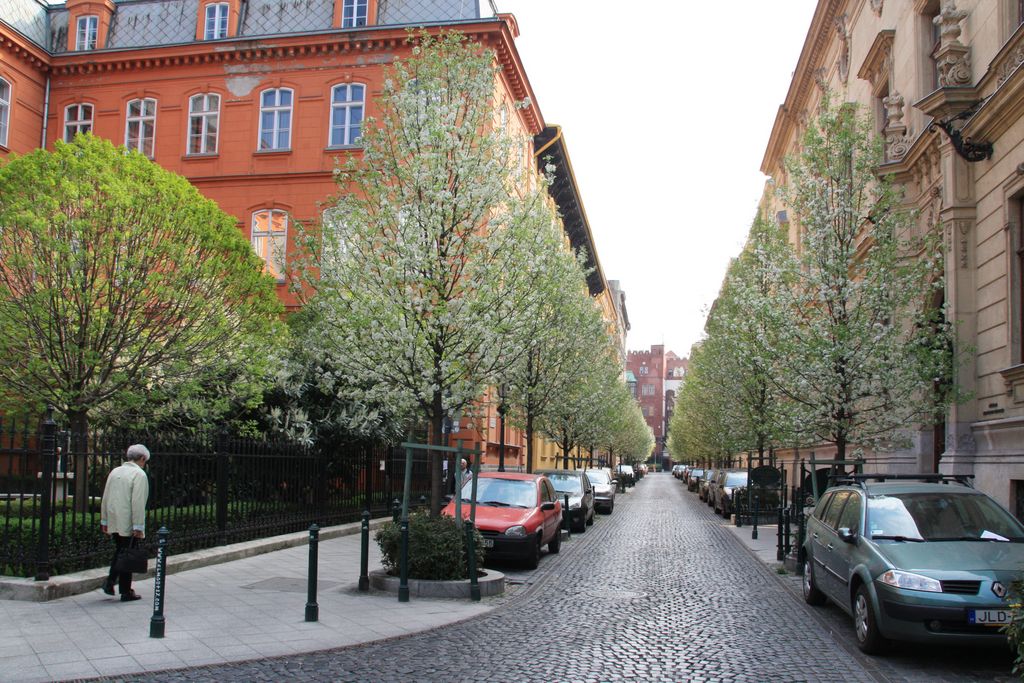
(999, 589)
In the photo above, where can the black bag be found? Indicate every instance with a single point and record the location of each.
(132, 559)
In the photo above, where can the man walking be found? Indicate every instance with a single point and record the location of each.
(123, 514)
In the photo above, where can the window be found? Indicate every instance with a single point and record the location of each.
(276, 119)
(353, 13)
(269, 239)
(140, 126)
(85, 37)
(5, 110)
(850, 518)
(77, 119)
(203, 117)
(346, 114)
(831, 517)
(647, 390)
(216, 21)
(643, 369)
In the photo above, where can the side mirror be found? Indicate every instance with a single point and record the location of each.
(449, 498)
(846, 535)
(548, 505)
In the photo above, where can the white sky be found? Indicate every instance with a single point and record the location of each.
(666, 108)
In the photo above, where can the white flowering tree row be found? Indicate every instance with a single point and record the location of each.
(843, 340)
(440, 269)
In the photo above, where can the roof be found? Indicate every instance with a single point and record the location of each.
(518, 476)
(150, 23)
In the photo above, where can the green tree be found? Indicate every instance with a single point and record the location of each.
(120, 283)
(417, 271)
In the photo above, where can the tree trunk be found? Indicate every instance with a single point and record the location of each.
(529, 440)
(78, 422)
(436, 457)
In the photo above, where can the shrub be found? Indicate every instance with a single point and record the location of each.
(436, 548)
(1015, 629)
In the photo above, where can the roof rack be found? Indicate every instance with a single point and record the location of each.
(927, 477)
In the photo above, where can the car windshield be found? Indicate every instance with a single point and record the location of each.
(598, 477)
(736, 479)
(502, 492)
(945, 516)
(566, 483)
(696, 473)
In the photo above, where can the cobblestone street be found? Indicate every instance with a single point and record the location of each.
(659, 591)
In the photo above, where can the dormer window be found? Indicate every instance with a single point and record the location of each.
(216, 21)
(88, 29)
(353, 13)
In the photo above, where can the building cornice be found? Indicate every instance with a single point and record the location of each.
(23, 48)
(815, 46)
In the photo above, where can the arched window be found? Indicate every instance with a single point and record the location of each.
(276, 119)
(140, 126)
(5, 110)
(347, 102)
(77, 119)
(270, 239)
(203, 123)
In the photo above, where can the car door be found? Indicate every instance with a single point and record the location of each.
(588, 495)
(552, 518)
(828, 541)
(818, 538)
(843, 556)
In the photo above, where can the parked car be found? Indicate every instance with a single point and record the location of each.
(705, 481)
(677, 471)
(727, 483)
(516, 513)
(926, 559)
(604, 489)
(576, 485)
(626, 474)
(693, 478)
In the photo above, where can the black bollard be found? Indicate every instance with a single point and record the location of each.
(474, 583)
(157, 622)
(364, 553)
(403, 562)
(396, 510)
(312, 609)
(779, 550)
(757, 511)
(788, 519)
(566, 520)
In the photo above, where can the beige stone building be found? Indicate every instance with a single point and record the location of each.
(944, 82)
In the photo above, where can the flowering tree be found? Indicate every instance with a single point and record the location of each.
(417, 276)
(859, 351)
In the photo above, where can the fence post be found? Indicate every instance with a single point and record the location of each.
(474, 584)
(47, 452)
(779, 554)
(757, 511)
(222, 485)
(364, 552)
(396, 510)
(157, 622)
(312, 609)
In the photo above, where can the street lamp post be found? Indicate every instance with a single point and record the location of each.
(502, 389)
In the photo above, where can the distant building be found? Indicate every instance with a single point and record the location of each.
(658, 375)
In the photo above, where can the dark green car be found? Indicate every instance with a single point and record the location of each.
(928, 559)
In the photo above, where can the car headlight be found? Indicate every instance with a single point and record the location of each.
(518, 531)
(914, 582)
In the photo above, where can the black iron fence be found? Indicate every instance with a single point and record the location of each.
(209, 489)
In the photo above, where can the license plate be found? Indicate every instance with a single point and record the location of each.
(989, 617)
(487, 542)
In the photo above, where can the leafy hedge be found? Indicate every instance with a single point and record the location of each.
(437, 548)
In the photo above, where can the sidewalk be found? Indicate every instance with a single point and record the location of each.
(243, 609)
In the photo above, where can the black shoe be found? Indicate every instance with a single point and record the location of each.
(108, 588)
(129, 596)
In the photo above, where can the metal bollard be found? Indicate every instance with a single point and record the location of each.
(566, 522)
(779, 550)
(757, 511)
(474, 583)
(312, 609)
(364, 553)
(396, 510)
(788, 518)
(157, 622)
(403, 562)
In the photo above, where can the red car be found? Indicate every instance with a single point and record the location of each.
(516, 514)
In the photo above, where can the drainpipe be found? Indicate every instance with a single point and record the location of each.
(46, 111)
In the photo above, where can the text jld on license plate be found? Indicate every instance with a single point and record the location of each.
(989, 617)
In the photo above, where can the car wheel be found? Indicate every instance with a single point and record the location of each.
(865, 624)
(533, 559)
(556, 543)
(581, 527)
(590, 519)
(611, 507)
(812, 594)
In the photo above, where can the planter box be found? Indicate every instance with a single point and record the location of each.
(491, 583)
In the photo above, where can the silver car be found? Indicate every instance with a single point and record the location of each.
(604, 490)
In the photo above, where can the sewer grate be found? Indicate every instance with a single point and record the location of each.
(287, 584)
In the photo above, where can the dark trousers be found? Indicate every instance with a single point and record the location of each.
(123, 579)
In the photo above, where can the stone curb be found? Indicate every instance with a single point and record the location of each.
(492, 583)
(65, 585)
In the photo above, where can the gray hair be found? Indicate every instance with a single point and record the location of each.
(138, 452)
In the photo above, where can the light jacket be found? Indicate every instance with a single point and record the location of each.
(123, 509)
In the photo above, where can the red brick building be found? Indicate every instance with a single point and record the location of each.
(658, 374)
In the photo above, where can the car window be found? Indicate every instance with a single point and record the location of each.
(941, 515)
(548, 494)
(502, 492)
(736, 479)
(850, 517)
(566, 483)
(819, 509)
(836, 508)
(597, 477)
